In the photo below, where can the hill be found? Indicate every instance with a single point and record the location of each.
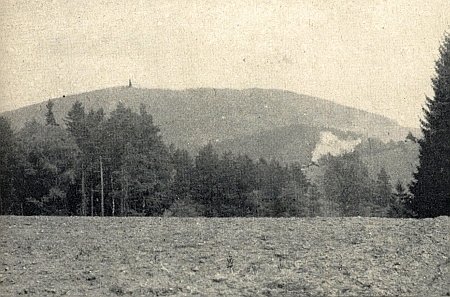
(257, 122)
(191, 118)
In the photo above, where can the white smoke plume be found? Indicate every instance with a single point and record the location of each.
(331, 144)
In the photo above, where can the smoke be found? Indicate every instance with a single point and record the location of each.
(331, 144)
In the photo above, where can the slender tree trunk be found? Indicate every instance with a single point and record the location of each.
(2, 211)
(125, 189)
(102, 198)
(83, 191)
(122, 198)
(122, 202)
(127, 206)
(113, 206)
(92, 202)
(113, 201)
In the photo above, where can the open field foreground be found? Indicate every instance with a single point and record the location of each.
(79, 256)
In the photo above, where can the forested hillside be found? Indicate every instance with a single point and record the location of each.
(269, 124)
(118, 164)
(192, 118)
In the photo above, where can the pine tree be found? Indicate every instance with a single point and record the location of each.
(431, 188)
(383, 188)
(75, 122)
(50, 156)
(346, 182)
(205, 180)
(76, 125)
(411, 137)
(8, 162)
(49, 116)
(400, 201)
(182, 170)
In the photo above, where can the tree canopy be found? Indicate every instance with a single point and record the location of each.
(431, 188)
(119, 165)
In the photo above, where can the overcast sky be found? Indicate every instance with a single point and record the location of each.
(377, 55)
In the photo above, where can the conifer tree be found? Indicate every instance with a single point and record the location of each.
(383, 188)
(75, 122)
(49, 116)
(76, 125)
(431, 188)
(205, 180)
(50, 156)
(346, 182)
(8, 160)
(400, 201)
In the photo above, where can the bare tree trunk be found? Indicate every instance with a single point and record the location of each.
(127, 205)
(92, 202)
(113, 201)
(102, 198)
(122, 198)
(83, 191)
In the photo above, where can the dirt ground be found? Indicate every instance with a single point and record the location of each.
(79, 256)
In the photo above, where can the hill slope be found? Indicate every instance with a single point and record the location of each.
(257, 122)
(190, 118)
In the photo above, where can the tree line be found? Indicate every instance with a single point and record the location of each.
(119, 166)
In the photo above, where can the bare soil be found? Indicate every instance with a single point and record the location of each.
(79, 256)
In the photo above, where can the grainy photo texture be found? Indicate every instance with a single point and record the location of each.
(225, 148)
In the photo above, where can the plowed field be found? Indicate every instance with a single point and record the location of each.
(79, 256)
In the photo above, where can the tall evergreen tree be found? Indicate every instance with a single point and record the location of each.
(76, 125)
(431, 188)
(346, 182)
(205, 188)
(85, 129)
(7, 166)
(400, 202)
(75, 122)
(136, 163)
(293, 199)
(49, 116)
(383, 190)
(48, 172)
(180, 187)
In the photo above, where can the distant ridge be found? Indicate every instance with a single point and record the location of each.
(257, 122)
(190, 118)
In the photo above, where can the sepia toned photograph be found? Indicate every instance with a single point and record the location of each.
(225, 148)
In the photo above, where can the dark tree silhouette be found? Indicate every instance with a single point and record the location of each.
(49, 116)
(8, 160)
(400, 201)
(346, 182)
(50, 156)
(383, 189)
(411, 137)
(431, 188)
(205, 180)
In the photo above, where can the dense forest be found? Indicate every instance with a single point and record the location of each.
(119, 166)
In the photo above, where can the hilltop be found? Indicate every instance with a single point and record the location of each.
(258, 122)
(193, 117)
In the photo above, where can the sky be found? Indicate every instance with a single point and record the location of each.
(376, 55)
